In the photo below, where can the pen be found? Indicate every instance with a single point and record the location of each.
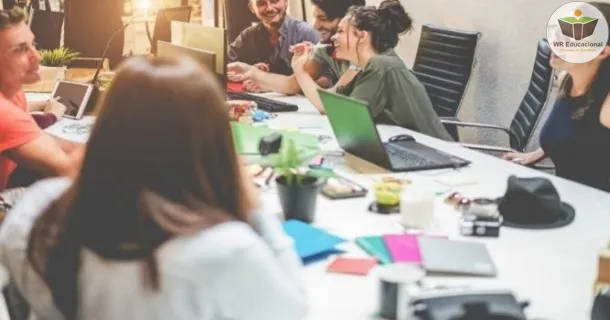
(315, 46)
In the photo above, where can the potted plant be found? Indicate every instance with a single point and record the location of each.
(297, 186)
(53, 63)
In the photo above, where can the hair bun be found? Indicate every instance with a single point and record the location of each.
(395, 17)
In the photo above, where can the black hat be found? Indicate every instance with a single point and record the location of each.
(533, 203)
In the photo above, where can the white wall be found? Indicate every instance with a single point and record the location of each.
(510, 30)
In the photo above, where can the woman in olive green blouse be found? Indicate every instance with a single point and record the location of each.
(367, 36)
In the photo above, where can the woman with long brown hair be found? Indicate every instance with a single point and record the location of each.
(161, 222)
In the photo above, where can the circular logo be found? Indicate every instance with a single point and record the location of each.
(577, 32)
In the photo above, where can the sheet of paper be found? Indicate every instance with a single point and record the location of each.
(456, 178)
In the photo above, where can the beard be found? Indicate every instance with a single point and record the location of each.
(274, 19)
(330, 32)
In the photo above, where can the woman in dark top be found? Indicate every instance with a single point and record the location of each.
(576, 135)
(366, 37)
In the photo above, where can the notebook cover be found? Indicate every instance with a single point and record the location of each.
(356, 266)
(375, 246)
(403, 247)
(453, 257)
(311, 242)
(246, 137)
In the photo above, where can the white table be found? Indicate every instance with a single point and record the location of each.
(554, 269)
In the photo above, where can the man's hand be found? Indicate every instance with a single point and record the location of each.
(239, 71)
(323, 82)
(251, 86)
(55, 107)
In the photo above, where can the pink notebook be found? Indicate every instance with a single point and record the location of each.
(402, 247)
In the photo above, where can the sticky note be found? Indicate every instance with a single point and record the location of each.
(355, 266)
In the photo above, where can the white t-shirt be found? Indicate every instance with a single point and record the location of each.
(230, 271)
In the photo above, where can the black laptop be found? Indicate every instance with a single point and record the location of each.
(357, 134)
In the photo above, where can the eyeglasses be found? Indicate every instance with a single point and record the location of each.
(76, 128)
(457, 201)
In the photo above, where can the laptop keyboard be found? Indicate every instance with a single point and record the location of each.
(403, 157)
(262, 103)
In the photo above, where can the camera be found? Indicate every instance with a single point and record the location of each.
(481, 219)
(471, 225)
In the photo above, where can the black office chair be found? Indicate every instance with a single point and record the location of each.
(529, 111)
(443, 64)
(237, 17)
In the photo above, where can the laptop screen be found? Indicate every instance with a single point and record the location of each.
(354, 127)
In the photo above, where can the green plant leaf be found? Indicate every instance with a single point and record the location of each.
(290, 163)
(57, 57)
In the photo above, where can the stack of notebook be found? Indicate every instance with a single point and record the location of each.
(437, 255)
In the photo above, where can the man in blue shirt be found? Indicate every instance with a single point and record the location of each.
(268, 43)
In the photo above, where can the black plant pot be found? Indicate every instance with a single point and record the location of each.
(299, 201)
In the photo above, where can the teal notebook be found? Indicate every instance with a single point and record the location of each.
(246, 138)
(375, 246)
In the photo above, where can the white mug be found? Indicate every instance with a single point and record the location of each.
(417, 209)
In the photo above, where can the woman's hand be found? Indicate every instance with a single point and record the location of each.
(299, 48)
(301, 54)
(524, 158)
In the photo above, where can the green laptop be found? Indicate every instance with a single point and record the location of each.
(356, 133)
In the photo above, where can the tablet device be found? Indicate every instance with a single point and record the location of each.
(74, 95)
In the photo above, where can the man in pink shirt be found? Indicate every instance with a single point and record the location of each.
(22, 142)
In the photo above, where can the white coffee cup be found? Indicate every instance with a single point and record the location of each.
(417, 209)
(400, 282)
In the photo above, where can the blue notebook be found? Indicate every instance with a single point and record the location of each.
(311, 243)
